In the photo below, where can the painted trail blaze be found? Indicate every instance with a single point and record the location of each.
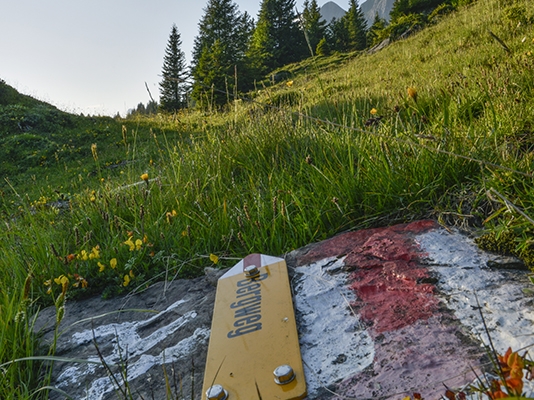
(418, 345)
(393, 289)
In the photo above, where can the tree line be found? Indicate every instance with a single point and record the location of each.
(232, 51)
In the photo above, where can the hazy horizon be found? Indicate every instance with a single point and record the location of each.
(95, 57)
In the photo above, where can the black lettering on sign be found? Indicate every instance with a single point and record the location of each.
(248, 288)
(250, 310)
(247, 306)
(247, 320)
(247, 301)
(244, 330)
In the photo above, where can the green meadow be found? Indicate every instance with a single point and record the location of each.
(439, 125)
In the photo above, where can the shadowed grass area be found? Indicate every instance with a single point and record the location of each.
(117, 204)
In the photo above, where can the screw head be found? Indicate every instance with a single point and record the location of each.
(251, 271)
(283, 374)
(216, 392)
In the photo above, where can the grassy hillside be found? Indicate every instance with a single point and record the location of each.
(438, 125)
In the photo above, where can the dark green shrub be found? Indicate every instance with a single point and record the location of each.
(439, 11)
(403, 24)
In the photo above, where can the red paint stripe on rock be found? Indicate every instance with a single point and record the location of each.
(347, 243)
(393, 289)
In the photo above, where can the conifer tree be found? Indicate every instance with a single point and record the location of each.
(323, 49)
(400, 7)
(277, 39)
(375, 30)
(219, 49)
(313, 23)
(338, 35)
(349, 33)
(173, 87)
(356, 27)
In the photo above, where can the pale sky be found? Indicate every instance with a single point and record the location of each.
(94, 56)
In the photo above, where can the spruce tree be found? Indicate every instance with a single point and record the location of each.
(323, 49)
(356, 27)
(338, 35)
(400, 7)
(313, 23)
(374, 34)
(277, 39)
(219, 49)
(173, 87)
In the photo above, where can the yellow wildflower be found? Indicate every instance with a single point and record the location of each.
(412, 92)
(289, 83)
(94, 151)
(373, 111)
(171, 215)
(101, 266)
(63, 281)
(134, 245)
(83, 255)
(214, 258)
(95, 252)
(49, 284)
(144, 177)
(130, 243)
(126, 281)
(131, 274)
(113, 263)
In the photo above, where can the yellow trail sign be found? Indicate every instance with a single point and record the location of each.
(254, 350)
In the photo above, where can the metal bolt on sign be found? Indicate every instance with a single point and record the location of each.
(284, 374)
(251, 271)
(216, 392)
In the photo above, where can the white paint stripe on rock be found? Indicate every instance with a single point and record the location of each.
(127, 336)
(181, 350)
(333, 345)
(462, 271)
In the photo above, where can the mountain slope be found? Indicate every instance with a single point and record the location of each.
(10, 96)
(372, 7)
(331, 10)
(369, 8)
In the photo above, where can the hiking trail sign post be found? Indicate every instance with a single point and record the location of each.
(254, 351)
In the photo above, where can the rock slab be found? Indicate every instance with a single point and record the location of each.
(381, 313)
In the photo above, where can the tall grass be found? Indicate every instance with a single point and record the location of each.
(160, 194)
